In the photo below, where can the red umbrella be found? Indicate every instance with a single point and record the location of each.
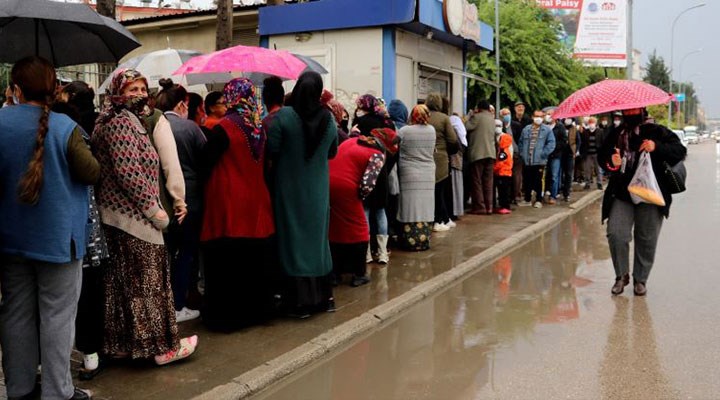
(611, 95)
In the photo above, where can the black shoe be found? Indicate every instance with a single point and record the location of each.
(639, 289)
(599, 186)
(81, 394)
(299, 312)
(359, 281)
(330, 305)
(620, 284)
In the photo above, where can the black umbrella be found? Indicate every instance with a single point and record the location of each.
(64, 33)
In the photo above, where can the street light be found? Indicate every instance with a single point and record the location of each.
(682, 60)
(672, 48)
(682, 90)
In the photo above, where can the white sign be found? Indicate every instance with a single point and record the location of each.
(461, 19)
(595, 30)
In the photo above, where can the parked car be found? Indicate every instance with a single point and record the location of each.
(691, 134)
(681, 135)
(715, 135)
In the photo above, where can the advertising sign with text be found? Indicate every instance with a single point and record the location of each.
(594, 30)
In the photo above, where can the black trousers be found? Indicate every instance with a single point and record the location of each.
(441, 209)
(533, 181)
(504, 186)
(90, 320)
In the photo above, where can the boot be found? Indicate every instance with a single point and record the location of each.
(368, 256)
(383, 256)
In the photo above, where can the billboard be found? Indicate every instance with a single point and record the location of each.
(595, 31)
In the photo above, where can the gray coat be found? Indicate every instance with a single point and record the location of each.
(480, 136)
(416, 173)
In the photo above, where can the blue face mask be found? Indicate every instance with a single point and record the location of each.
(506, 119)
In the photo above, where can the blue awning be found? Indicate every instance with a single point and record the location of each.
(334, 14)
(346, 14)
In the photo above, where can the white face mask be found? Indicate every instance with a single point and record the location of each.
(537, 120)
(548, 118)
(498, 130)
(568, 121)
(617, 122)
(592, 127)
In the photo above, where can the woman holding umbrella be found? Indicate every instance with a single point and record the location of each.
(619, 155)
(139, 310)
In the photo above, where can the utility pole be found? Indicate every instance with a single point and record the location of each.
(223, 37)
(497, 57)
(630, 61)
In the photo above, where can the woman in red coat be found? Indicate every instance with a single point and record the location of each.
(238, 220)
(353, 174)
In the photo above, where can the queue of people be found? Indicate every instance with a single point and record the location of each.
(114, 222)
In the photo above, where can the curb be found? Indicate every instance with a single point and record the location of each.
(261, 377)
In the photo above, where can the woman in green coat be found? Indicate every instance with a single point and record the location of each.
(301, 139)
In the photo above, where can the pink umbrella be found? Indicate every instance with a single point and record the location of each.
(246, 60)
(611, 95)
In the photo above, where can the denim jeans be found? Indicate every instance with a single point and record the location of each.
(380, 219)
(555, 173)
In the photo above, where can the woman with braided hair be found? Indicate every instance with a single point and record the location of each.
(46, 168)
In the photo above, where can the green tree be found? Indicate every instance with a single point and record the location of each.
(657, 73)
(534, 66)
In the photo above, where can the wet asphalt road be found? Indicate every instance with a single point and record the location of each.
(540, 323)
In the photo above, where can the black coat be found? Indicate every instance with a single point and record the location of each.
(600, 135)
(561, 140)
(668, 148)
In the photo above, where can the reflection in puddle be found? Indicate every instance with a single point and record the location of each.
(448, 346)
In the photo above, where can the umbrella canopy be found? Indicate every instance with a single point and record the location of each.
(162, 63)
(257, 62)
(312, 65)
(610, 95)
(64, 33)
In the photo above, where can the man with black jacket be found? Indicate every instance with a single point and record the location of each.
(592, 139)
(554, 170)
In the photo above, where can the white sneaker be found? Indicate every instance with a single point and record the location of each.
(186, 314)
(524, 204)
(537, 204)
(451, 224)
(440, 227)
(91, 361)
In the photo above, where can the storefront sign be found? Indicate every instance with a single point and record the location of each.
(461, 19)
(595, 31)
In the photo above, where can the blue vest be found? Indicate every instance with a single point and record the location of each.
(54, 229)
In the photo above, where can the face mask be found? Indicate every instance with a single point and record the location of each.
(568, 122)
(498, 130)
(592, 127)
(616, 122)
(537, 120)
(506, 119)
(344, 124)
(548, 118)
(633, 120)
(137, 105)
(603, 123)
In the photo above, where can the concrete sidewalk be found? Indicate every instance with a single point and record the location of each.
(233, 366)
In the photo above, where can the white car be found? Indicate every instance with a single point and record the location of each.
(681, 135)
(715, 135)
(692, 138)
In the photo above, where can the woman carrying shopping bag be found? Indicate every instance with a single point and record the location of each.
(620, 155)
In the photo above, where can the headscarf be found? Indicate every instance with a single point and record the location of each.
(244, 111)
(388, 137)
(115, 101)
(398, 113)
(326, 97)
(336, 109)
(305, 100)
(370, 104)
(420, 115)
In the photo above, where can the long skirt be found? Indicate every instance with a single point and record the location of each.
(139, 308)
(415, 236)
(349, 258)
(241, 281)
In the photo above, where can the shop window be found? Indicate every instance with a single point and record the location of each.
(433, 81)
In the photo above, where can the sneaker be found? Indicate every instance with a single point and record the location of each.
(566, 199)
(186, 348)
(360, 280)
(451, 224)
(91, 361)
(524, 204)
(552, 201)
(186, 314)
(504, 211)
(440, 228)
(537, 204)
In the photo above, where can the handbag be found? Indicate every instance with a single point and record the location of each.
(675, 177)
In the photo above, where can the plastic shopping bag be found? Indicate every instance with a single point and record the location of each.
(644, 187)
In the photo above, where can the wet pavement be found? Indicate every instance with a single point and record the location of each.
(540, 323)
